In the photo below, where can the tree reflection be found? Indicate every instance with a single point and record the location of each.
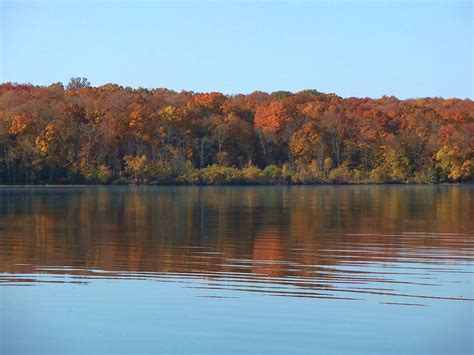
(270, 231)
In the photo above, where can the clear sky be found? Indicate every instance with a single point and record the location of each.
(352, 48)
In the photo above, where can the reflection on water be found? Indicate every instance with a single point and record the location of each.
(373, 251)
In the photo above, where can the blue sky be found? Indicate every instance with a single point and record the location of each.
(352, 48)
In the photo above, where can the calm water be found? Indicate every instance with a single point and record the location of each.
(355, 269)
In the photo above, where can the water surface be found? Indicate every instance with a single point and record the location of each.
(346, 269)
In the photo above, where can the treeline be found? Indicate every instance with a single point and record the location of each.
(111, 134)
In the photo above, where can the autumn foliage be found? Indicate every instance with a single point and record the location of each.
(111, 134)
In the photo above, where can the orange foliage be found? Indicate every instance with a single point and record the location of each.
(85, 134)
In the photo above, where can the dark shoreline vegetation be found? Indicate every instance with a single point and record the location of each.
(115, 135)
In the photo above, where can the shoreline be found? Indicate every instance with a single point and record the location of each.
(236, 185)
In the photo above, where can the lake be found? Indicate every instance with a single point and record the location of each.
(288, 270)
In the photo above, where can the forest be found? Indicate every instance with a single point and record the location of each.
(80, 134)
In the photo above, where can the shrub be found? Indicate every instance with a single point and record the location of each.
(188, 174)
(287, 172)
(220, 175)
(359, 176)
(161, 173)
(103, 174)
(379, 175)
(303, 176)
(252, 175)
(136, 167)
(272, 173)
(340, 175)
(426, 175)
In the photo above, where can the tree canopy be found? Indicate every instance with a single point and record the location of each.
(111, 134)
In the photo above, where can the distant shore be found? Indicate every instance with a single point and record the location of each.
(470, 183)
(109, 134)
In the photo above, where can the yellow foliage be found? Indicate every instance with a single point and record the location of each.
(19, 124)
(451, 161)
(43, 142)
(103, 174)
(135, 164)
(328, 164)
